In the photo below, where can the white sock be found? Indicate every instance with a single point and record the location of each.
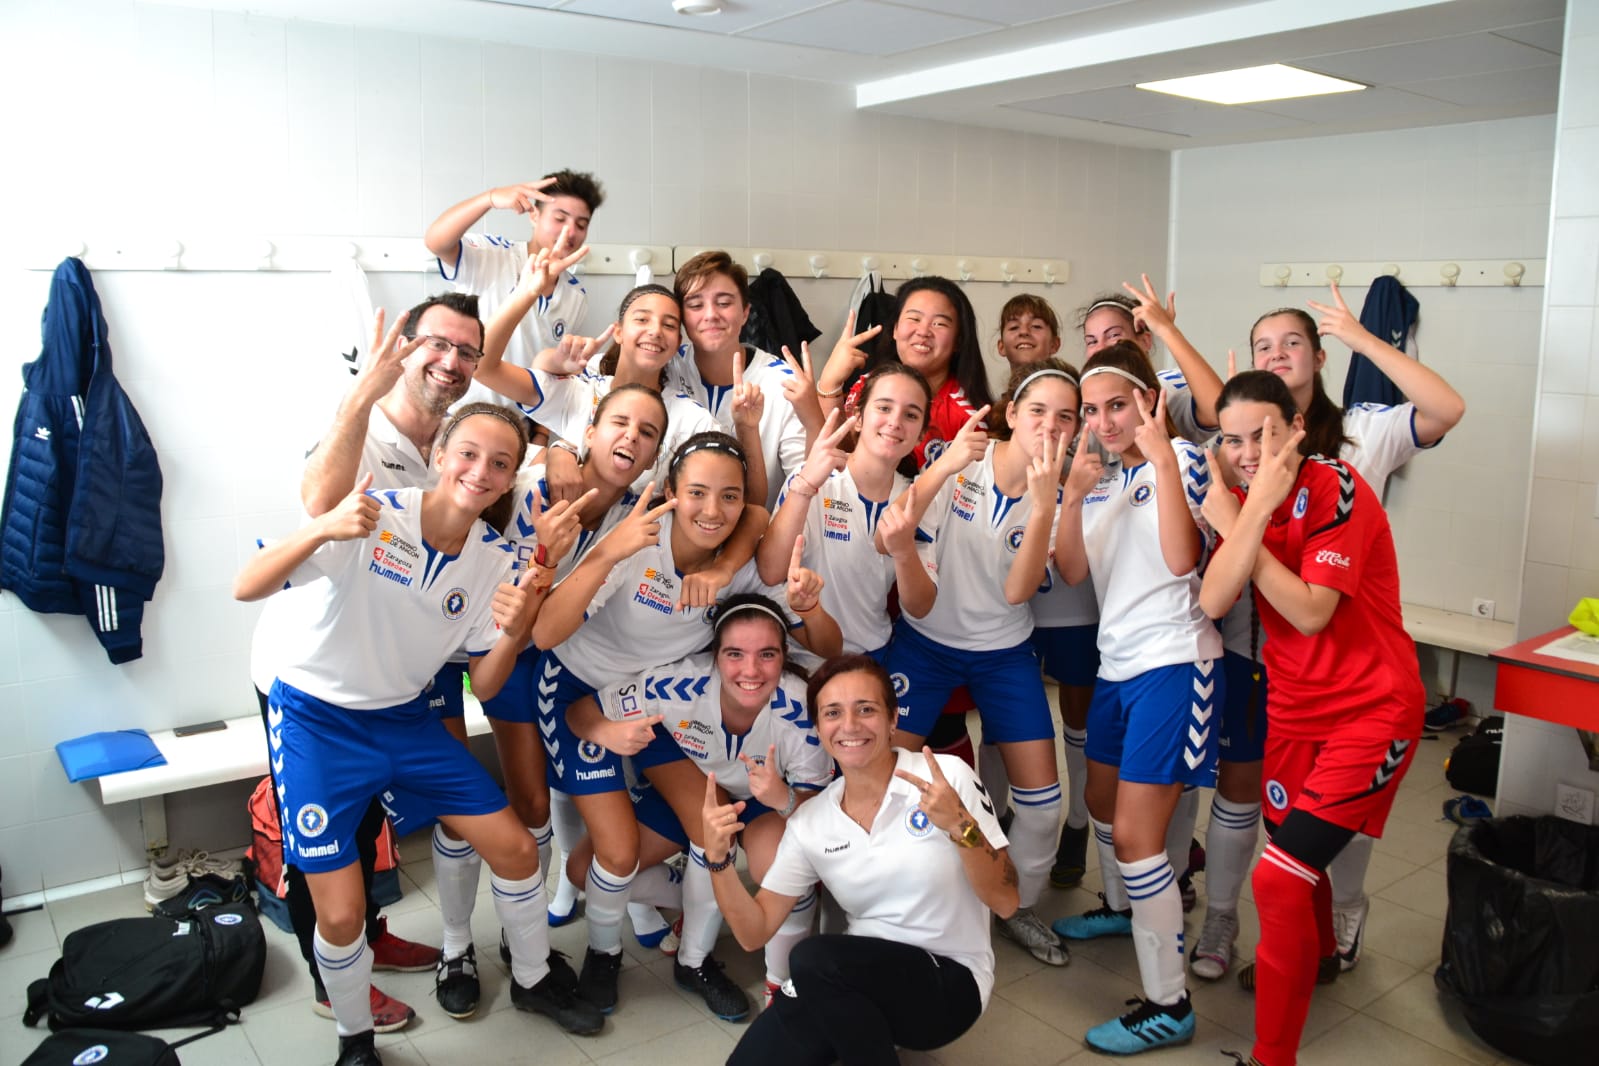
(520, 906)
(796, 927)
(1229, 847)
(658, 886)
(1348, 872)
(567, 825)
(1157, 927)
(702, 918)
(1076, 776)
(456, 869)
(991, 771)
(1180, 830)
(1109, 873)
(542, 836)
(607, 902)
(1033, 837)
(346, 975)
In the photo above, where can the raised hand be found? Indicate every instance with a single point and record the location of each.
(827, 455)
(1154, 443)
(522, 196)
(1337, 321)
(545, 266)
(896, 526)
(719, 822)
(639, 530)
(511, 607)
(749, 402)
(970, 443)
(629, 736)
(1044, 471)
(385, 357)
(355, 516)
(572, 353)
(939, 800)
(1086, 469)
(1220, 507)
(1279, 464)
(804, 585)
(848, 356)
(799, 388)
(1155, 316)
(558, 526)
(766, 784)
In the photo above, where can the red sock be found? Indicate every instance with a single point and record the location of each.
(1324, 926)
(1286, 896)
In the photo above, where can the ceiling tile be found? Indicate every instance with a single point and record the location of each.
(1548, 35)
(1101, 105)
(1502, 89)
(1206, 120)
(1014, 12)
(1354, 107)
(1421, 60)
(735, 14)
(870, 28)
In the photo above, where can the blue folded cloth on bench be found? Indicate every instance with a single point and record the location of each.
(98, 754)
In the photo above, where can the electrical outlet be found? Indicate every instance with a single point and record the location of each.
(1483, 608)
(1575, 804)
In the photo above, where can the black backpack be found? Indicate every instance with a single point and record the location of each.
(154, 973)
(80, 1047)
(1474, 764)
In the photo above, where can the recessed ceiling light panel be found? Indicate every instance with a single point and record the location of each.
(1251, 85)
(697, 7)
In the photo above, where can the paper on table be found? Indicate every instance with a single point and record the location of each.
(1579, 647)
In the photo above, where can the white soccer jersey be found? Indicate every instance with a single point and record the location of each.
(688, 696)
(1381, 440)
(521, 534)
(635, 620)
(394, 463)
(782, 435)
(568, 407)
(383, 613)
(1147, 616)
(1180, 405)
(904, 880)
(974, 532)
(1057, 605)
(839, 527)
(490, 268)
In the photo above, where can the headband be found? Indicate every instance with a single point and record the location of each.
(493, 410)
(1119, 372)
(709, 444)
(739, 608)
(1047, 372)
(1109, 301)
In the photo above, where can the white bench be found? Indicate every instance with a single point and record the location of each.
(236, 753)
(1462, 634)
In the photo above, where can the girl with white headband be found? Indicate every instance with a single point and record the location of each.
(986, 511)
(1131, 520)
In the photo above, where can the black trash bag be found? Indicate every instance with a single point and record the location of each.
(1521, 941)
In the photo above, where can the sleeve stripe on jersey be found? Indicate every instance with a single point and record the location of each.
(1346, 493)
(679, 688)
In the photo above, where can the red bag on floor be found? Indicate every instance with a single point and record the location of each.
(266, 845)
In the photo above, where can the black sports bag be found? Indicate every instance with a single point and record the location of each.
(85, 1047)
(154, 973)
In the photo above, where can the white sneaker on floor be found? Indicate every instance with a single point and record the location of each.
(169, 874)
(1028, 930)
(1349, 927)
(1213, 952)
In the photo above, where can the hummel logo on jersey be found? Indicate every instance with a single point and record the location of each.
(834, 849)
(391, 466)
(42, 433)
(1331, 558)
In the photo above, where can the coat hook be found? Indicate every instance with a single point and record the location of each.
(640, 257)
(1390, 270)
(1283, 273)
(175, 256)
(1006, 273)
(1335, 272)
(1048, 271)
(868, 264)
(818, 265)
(964, 269)
(763, 261)
(1451, 274)
(918, 267)
(1513, 274)
(264, 255)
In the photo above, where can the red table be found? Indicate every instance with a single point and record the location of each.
(1564, 691)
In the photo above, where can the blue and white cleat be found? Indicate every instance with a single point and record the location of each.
(1147, 1027)
(1101, 921)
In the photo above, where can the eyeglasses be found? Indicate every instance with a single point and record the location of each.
(439, 346)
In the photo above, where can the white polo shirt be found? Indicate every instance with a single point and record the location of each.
(381, 614)
(688, 696)
(904, 881)
(782, 435)
(1381, 440)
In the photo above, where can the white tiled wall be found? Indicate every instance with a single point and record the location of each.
(1451, 192)
(1562, 557)
(174, 121)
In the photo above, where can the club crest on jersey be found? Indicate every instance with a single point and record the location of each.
(902, 685)
(1143, 494)
(312, 820)
(454, 603)
(931, 450)
(917, 824)
(1302, 503)
(1013, 538)
(589, 751)
(1276, 795)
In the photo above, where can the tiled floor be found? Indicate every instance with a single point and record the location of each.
(1386, 1011)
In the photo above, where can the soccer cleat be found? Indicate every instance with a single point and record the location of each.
(1028, 930)
(1326, 973)
(390, 952)
(1101, 921)
(596, 985)
(358, 1050)
(455, 984)
(1213, 952)
(207, 890)
(388, 1014)
(1466, 810)
(559, 1002)
(1446, 714)
(1190, 896)
(726, 1000)
(1349, 928)
(1146, 1027)
(1071, 857)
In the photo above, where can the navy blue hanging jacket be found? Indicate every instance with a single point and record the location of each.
(1389, 312)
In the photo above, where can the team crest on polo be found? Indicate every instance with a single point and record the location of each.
(455, 603)
(1142, 495)
(902, 684)
(589, 751)
(931, 451)
(312, 820)
(917, 824)
(1013, 538)
(1276, 795)
(228, 919)
(1302, 503)
(89, 1056)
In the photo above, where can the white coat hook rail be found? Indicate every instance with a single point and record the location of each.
(405, 255)
(1456, 273)
(818, 263)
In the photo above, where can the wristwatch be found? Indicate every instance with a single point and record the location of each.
(968, 836)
